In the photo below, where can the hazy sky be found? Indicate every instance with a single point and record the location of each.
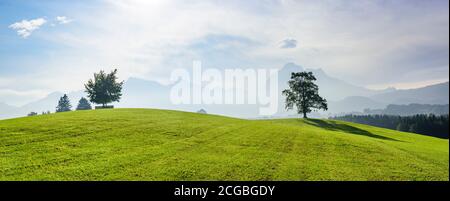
(50, 46)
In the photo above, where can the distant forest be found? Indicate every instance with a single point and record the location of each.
(409, 110)
(431, 125)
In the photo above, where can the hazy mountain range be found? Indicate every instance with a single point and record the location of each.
(410, 109)
(331, 88)
(342, 97)
(42, 105)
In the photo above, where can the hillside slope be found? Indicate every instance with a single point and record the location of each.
(144, 144)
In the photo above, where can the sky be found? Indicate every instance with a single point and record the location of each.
(48, 45)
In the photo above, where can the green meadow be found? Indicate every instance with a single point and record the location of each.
(147, 144)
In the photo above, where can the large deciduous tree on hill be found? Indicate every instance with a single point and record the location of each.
(104, 88)
(63, 104)
(304, 94)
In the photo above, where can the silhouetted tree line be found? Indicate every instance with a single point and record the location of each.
(431, 125)
(409, 110)
(103, 89)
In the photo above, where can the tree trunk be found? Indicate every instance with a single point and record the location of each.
(304, 115)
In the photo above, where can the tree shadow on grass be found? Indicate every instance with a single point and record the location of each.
(334, 126)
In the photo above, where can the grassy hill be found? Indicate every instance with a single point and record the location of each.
(144, 144)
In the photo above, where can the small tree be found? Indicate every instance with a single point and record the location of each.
(63, 104)
(84, 104)
(32, 114)
(104, 88)
(304, 94)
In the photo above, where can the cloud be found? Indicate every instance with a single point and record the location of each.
(24, 28)
(349, 40)
(288, 43)
(63, 20)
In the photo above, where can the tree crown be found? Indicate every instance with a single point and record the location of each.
(303, 94)
(63, 104)
(104, 88)
(83, 104)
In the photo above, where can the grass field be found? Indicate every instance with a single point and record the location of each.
(144, 144)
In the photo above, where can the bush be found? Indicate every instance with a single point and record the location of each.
(32, 114)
